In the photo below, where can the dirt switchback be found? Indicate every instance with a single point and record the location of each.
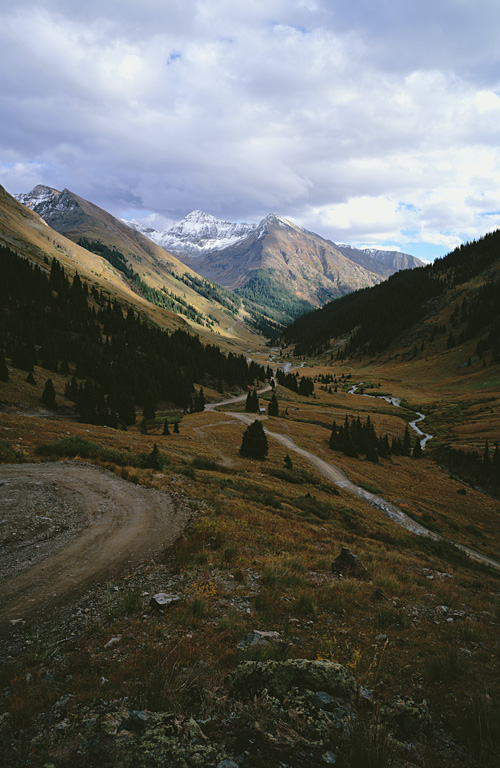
(86, 524)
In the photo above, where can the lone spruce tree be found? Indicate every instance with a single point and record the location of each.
(49, 394)
(273, 407)
(254, 443)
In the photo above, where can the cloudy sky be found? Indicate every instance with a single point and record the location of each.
(368, 122)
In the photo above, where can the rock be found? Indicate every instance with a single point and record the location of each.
(280, 677)
(365, 694)
(113, 641)
(258, 638)
(227, 764)
(348, 564)
(323, 700)
(329, 758)
(162, 600)
(408, 718)
(378, 595)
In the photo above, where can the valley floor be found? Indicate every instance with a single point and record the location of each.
(257, 556)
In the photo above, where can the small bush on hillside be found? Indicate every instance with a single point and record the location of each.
(313, 506)
(7, 454)
(208, 465)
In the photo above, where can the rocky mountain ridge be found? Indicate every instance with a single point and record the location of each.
(253, 258)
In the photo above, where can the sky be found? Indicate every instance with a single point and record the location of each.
(370, 123)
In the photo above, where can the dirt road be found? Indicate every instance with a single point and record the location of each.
(66, 525)
(338, 477)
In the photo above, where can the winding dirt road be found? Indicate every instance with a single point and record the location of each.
(118, 524)
(337, 476)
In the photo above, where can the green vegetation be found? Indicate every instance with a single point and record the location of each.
(121, 360)
(373, 318)
(254, 442)
(160, 298)
(72, 447)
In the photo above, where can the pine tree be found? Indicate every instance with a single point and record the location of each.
(407, 442)
(144, 427)
(417, 449)
(486, 455)
(176, 427)
(273, 407)
(287, 463)
(254, 442)
(252, 401)
(154, 459)
(4, 371)
(49, 394)
(149, 406)
(166, 430)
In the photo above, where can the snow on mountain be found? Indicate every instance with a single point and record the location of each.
(198, 233)
(39, 199)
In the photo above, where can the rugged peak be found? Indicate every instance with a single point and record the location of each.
(39, 196)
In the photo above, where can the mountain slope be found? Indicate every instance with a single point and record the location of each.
(310, 267)
(151, 272)
(455, 300)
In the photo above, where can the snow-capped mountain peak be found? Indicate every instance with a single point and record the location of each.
(197, 233)
(40, 196)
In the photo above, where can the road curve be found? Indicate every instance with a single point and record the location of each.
(122, 523)
(337, 476)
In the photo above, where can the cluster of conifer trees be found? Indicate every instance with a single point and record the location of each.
(304, 385)
(380, 313)
(478, 470)
(354, 438)
(119, 358)
(161, 298)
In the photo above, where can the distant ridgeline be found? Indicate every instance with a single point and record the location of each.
(372, 318)
(120, 359)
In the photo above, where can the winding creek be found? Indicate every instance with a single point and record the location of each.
(338, 477)
(396, 401)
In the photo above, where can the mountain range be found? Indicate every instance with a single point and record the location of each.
(313, 268)
(257, 260)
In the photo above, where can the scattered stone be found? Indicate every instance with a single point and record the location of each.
(162, 600)
(113, 641)
(257, 638)
(348, 564)
(329, 758)
(365, 693)
(408, 718)
(280, 677)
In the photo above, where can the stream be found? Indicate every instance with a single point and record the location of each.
(396, 401)
(338, 477)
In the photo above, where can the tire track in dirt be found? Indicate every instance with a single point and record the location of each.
(121, 524)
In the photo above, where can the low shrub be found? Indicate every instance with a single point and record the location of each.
(7, 454)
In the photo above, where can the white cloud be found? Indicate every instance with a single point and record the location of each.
(362, 122)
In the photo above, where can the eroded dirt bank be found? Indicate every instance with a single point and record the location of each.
(65, 525)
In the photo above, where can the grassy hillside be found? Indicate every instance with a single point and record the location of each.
(157, 272)
(414, 304)
(106, 679)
